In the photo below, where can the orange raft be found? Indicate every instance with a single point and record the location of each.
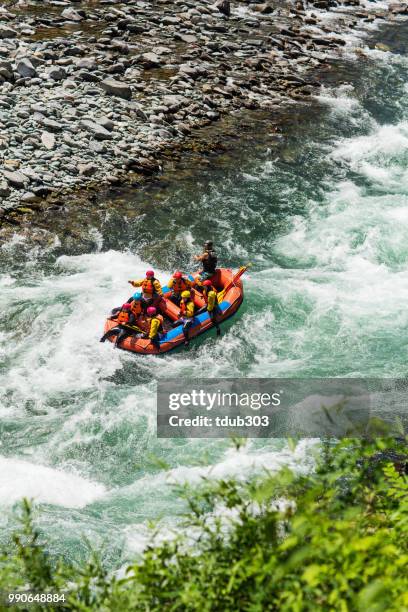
(223, 279)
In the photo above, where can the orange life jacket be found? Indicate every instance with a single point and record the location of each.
(148, 286)
(180, 285)
(123, 317)
(136, 308)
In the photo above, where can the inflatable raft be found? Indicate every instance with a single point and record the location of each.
(229, 288)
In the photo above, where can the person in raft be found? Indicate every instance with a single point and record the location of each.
(186, 315)
(155, 323)
(126, 324)
(210, 296)
(151, 289)
(178, 283)
(209, 261)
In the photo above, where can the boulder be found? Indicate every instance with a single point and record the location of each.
(4, 189)
(56, 73)
(6, 32)
(98, 131)
(116, 88)
(52, 125)
(26, 69)
(106, 123)
(87, 169)
(16, 179)
(224, 7)
(143, 166)
(70, 14)
(150, 60)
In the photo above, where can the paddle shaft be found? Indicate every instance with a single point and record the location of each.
(232, 282)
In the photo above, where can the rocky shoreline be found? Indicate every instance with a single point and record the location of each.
(95, 94)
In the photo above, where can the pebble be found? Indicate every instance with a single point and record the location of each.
(105, 90)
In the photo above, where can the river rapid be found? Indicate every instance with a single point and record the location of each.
(322, 214)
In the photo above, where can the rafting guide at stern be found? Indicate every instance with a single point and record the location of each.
(157, 319)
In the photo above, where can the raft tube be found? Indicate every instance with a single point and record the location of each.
(174, 337)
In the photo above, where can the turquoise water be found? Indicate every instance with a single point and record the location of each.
(322, 213)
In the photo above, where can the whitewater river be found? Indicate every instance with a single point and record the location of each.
(323, 217)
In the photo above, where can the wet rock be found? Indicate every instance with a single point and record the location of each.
(16, 179)
(116, 88)
(143, 166)
(264, 9)
(26, 69)
(150, 60)
(99, 132)
(70, 14)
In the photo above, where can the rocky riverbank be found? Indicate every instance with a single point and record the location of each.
(98, 93)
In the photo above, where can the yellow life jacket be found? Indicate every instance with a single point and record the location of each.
(186, 309)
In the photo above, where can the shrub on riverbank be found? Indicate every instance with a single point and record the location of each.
(335, 539)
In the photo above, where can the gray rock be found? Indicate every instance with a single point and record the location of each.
(97, 147)
(87, 76)
(26, 69)
(116, 88)
(224, 7)
(16, 179)
(99, 132)
(56, 73)
(48, 140)
(4, 189)
(6, 32)
(71, 14)
(87, 169)
(106, 123)
(187, 38)
(28, 197)
(150, 60)
(52, 125)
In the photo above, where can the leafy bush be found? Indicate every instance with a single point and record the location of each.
(335, 539)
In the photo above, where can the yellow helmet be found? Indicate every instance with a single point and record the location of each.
(185, 294)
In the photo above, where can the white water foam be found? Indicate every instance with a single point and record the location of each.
(43, 484)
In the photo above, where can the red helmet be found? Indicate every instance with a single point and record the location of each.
(207, 283)
(151, 310)
(177, 275)
(126, 306)
(149, 273)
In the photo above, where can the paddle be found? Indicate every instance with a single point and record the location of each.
(221, 294)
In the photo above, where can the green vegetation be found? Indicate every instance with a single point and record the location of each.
(335, 539)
